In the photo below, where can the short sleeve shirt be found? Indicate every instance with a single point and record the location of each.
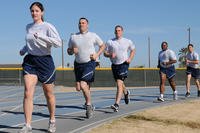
(193, 57)
(86, 45)
(165, 56)
(120, 47)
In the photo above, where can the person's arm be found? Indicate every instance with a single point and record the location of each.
(23, 50)
(52, 38)
(96, 55)
(169, 62)
(195, 61)
(107, 54)
(172, 59)
(132, 53)
(70, 49)
(101, 45)
(158, 66)
(192, 61)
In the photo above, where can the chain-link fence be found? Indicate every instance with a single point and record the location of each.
(138, 77)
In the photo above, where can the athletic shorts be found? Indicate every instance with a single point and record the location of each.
(41, 66)
(85, 71)
(120, 71)
(170, 71)
(194, 72)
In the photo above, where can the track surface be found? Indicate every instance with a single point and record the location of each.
(70, 114)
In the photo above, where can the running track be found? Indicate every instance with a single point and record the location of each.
(70, 115)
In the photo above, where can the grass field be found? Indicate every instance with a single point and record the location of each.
(177, 118)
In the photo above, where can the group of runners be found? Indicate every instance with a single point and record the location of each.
(166, 61)
(38, 64)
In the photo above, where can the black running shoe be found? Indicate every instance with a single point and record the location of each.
(126, 97)
(115, 107)
(187, 94)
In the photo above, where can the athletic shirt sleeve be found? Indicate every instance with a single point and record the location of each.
(108, 47)
(196, 56)
(172, 55)
(131, 45)
(52, 38)
(98, 40)
(70, 43)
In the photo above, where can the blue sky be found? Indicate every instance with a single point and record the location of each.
(161, 20)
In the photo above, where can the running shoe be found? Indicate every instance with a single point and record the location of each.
(85, 105)
(89, 111)
(161, 99)
(187, 94)
(26, 129)
(115, 107)
(52, 127)
(175, 96)
(126, 97)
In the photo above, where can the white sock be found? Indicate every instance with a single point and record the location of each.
(161, 95)
(53, 120)
(175, 92)
(28, 125)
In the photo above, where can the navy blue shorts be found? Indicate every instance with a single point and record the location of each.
(170, 71)
(84, 71)
(194, 72)
(120, 71)
(41, 66)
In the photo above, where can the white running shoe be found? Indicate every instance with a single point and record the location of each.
(25, 129)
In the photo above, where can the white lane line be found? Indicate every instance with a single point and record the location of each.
(19, 106)
(11, 95)
(42, 119)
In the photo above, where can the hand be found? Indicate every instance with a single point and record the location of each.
(70, 51)
(187, 61)
(93, 56)
(113, 55)
(75, 50)
(164, 63)
(36, 35)
(128, 61)
(21, 52)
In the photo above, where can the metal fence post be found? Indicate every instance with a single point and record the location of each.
(145, 78)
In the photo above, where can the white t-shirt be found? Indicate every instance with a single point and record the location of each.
(120, 47)
(165, 56)
(86, 45)
(47, 37)
(193, 57)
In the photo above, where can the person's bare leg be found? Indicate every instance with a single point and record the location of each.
(78, 86)
(172, 84)
(162, 83)
(197, 84)
(86, 92)
(119, 93)
(49, 94)
(30, 82)
(124, 88)
(188, 82)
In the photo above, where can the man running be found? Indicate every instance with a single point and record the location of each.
(166, 60)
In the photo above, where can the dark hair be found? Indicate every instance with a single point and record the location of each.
(119, 26)
(190, 45)
(84, 19)
(38, 4)
(164, 42)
